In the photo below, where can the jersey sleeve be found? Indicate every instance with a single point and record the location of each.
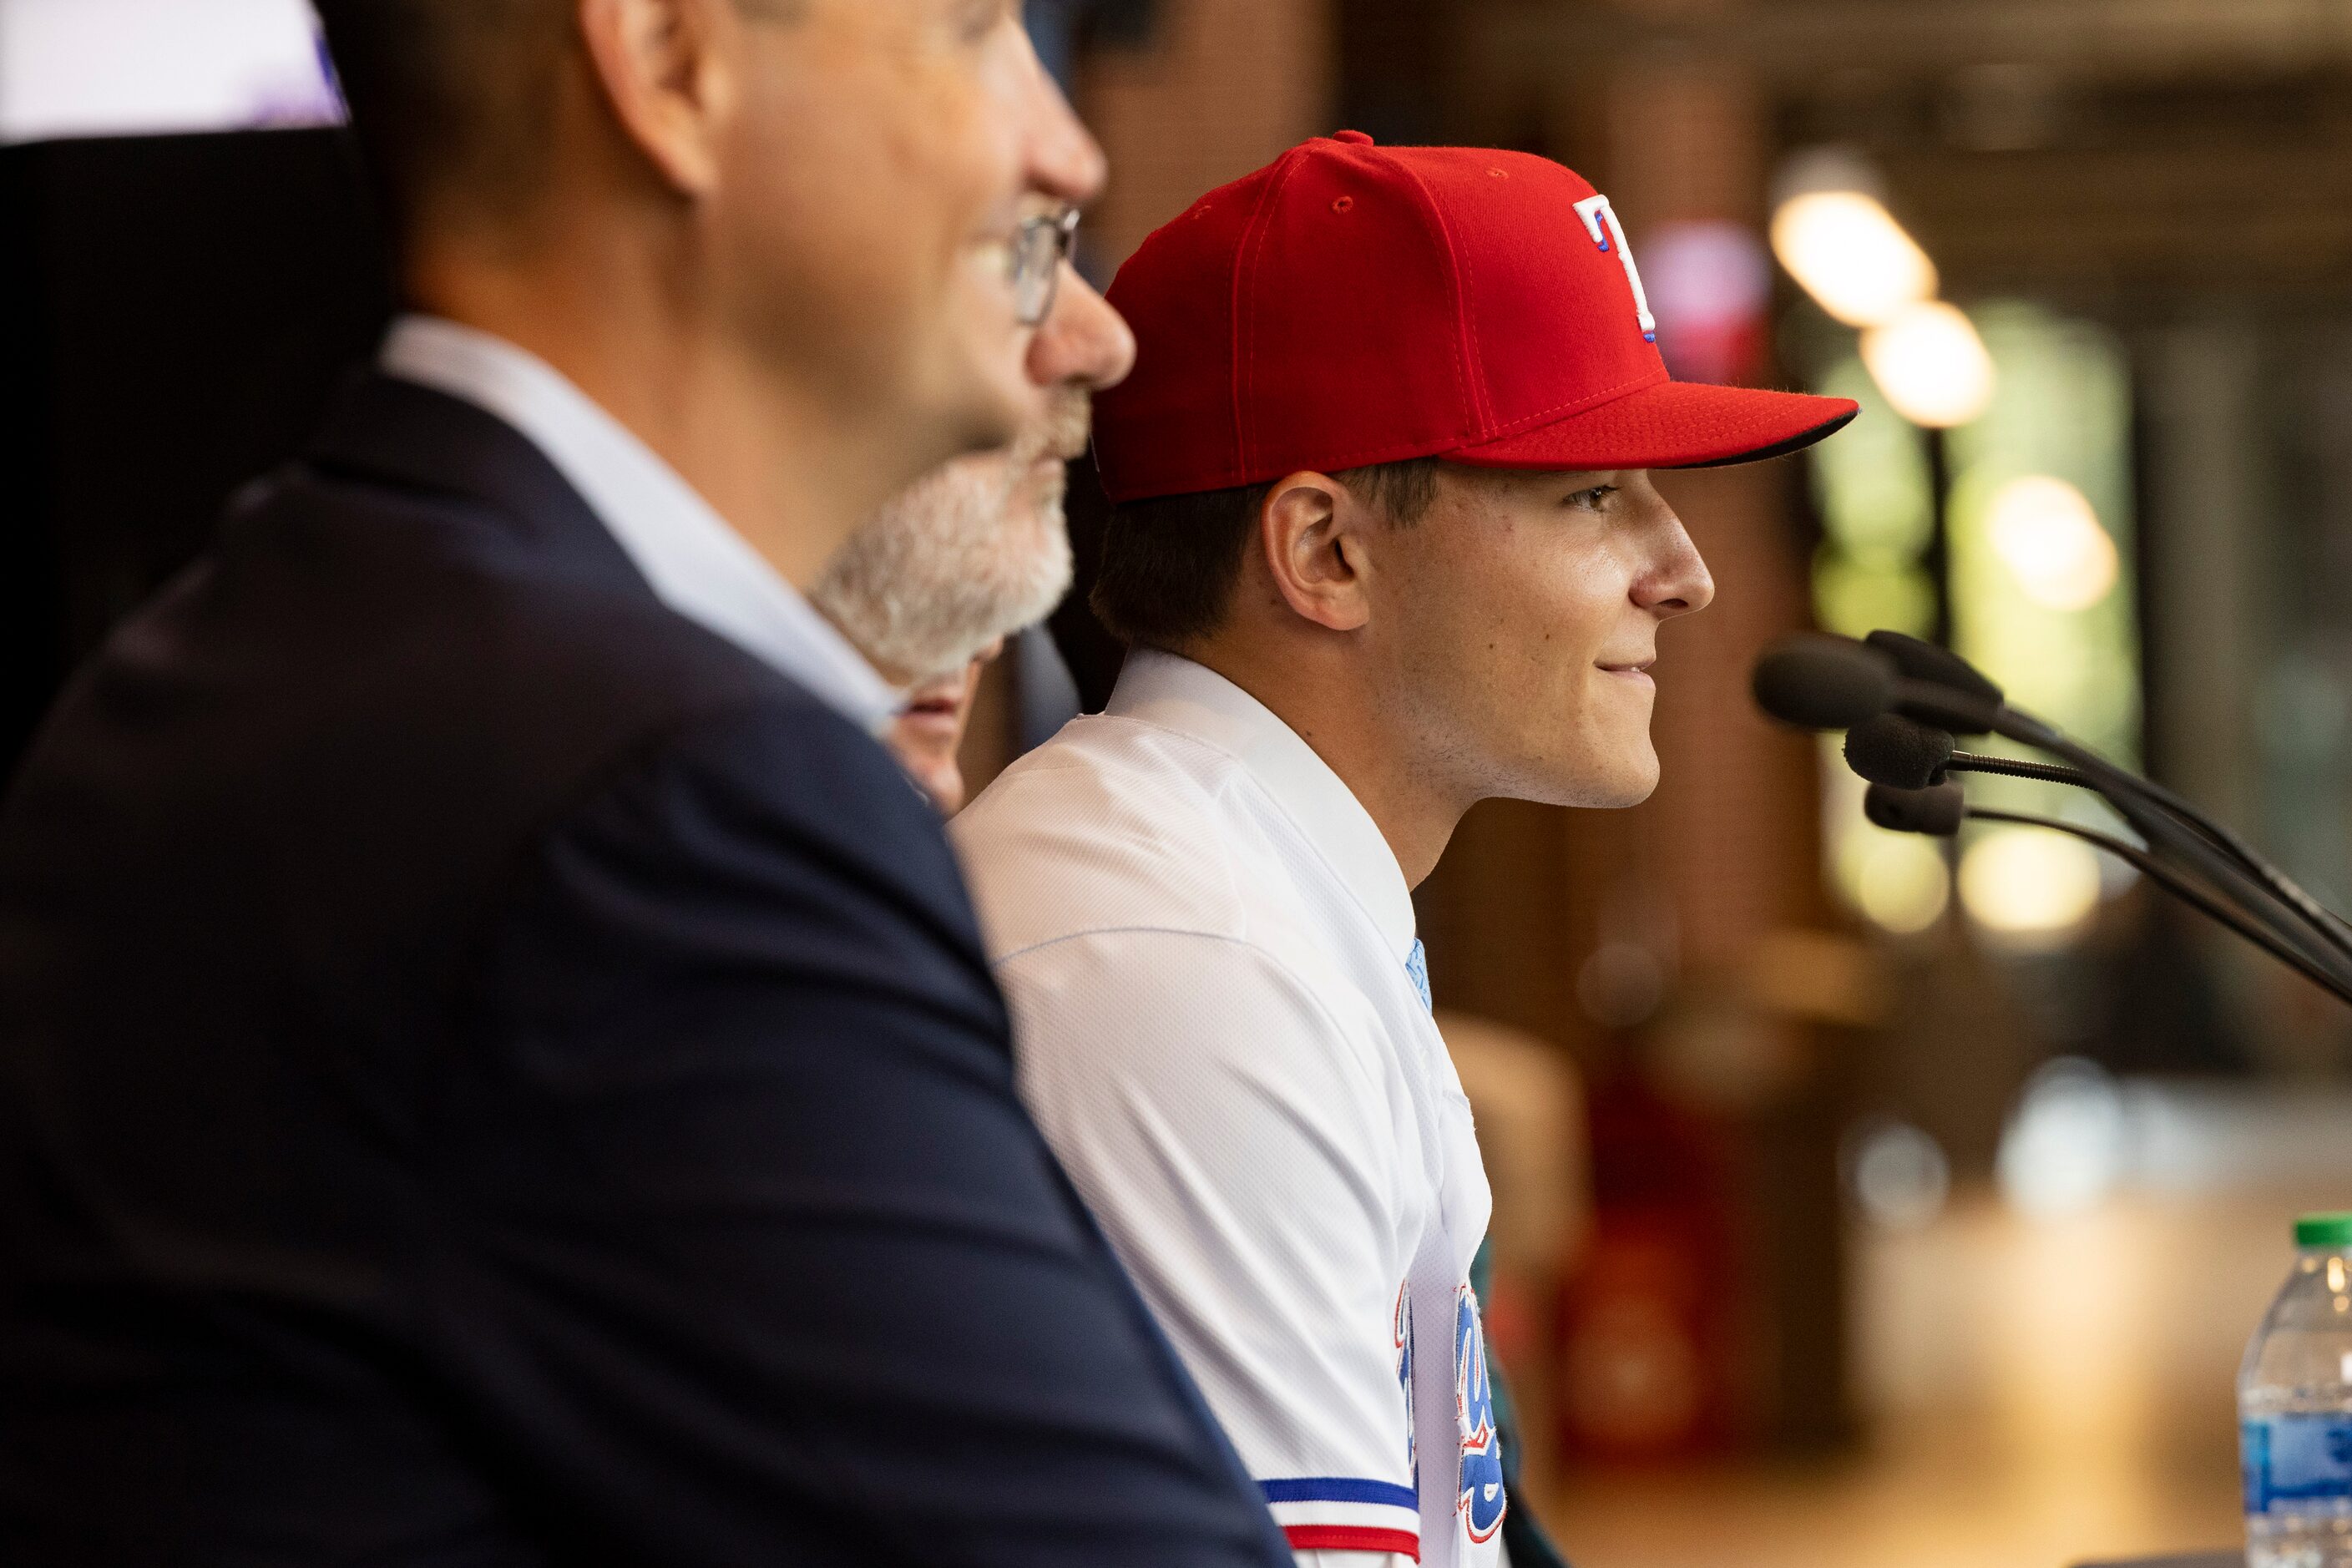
(1239, 1145)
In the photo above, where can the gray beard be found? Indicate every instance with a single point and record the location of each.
(946, 568)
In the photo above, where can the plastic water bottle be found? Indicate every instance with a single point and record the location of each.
(2294, 1408)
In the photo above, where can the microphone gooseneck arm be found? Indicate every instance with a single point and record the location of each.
(2012, 768)
(2179, 887)
(2050, 772)
(2164, 819)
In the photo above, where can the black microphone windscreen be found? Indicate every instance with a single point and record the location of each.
(1817, 682)
(1892, 749)
(1934, 663)
(1937, 812)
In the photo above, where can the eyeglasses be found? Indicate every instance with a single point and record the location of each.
(1040, 245)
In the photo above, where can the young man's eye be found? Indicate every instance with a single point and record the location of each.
(1595, 499)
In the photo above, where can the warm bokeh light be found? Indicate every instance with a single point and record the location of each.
(1931, 364)
(2047, 535)
(1899, 881)
(2029, 884)
(1847, 250)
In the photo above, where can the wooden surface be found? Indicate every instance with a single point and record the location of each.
(2039, 1394)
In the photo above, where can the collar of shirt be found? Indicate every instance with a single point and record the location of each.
(1174, 693)
(696, 565)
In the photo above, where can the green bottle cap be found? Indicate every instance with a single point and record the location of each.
(2324, 1230)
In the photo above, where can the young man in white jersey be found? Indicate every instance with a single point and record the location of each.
(1386, 545)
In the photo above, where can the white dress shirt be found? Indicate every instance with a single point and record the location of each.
(698, 564)
(1206, 940)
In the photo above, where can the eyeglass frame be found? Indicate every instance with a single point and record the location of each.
(1040, 245)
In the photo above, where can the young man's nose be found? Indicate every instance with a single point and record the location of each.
(1680, 584)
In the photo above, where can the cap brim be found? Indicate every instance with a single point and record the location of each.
(1671, 424)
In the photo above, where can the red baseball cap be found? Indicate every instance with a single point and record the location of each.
(1352, 304)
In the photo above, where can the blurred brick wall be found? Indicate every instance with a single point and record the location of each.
(1222, 89)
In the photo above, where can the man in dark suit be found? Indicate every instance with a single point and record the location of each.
(495, 1063)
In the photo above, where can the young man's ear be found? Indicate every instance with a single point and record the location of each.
(1308, 533)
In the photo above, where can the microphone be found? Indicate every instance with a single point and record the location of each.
(1817, 682)
(1888, 749)
(1813, 681)
(1893, 751)
(1936, 665)
(1936, 812)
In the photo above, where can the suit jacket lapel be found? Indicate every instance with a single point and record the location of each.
(381, 429)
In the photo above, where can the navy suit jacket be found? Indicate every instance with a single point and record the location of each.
(491, 1073)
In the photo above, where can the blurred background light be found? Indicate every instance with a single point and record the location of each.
(1847, 251)
(1931, 364)
(1899, 1175)
(1900, 882)
(123, 68)
(2027, 884)
(1831, 229)
(2043, 528)
(1709, 283)
(1621, 985)
(2065, 1146)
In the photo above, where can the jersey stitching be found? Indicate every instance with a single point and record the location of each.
(1469, 372)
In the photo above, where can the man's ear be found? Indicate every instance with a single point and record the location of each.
(1310, 532)
(666, 68)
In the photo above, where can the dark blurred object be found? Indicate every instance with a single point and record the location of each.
(1392, 64)
(1060, 26)
(1093, 654)
(2154, 1011)
(173, 311)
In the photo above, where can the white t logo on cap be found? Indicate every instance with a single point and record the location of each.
(1600, 222)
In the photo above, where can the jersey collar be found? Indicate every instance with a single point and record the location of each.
(1174, 693)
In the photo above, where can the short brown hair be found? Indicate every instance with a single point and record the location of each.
(1170, 564)
(450, 97)
(456, 99)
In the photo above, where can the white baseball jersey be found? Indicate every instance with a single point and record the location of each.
(1209, 951)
